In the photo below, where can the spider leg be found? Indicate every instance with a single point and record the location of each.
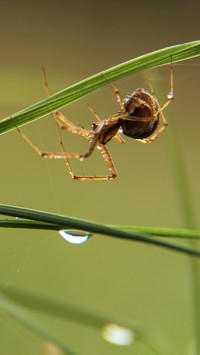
(118, 96)
(64, 124)
(106, 156)
(67, 125)
(117, 93)
(170, 97)
(63, 155)
(156, 133)
(58, 117)
(56, 120)
(170, 94)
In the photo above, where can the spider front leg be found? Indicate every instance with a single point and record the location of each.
(64, 155)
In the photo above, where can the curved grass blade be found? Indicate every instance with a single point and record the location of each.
(154, 59)
(87, 226)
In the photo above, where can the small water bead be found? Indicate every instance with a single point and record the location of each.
(75, 236)
(117, 334)
(56, 157)
(170, 96)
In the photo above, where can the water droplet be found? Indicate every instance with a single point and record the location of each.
(99, 147)
(170, 96)
(116, 334)
(81, 159)
(120, 130)
(75, 236)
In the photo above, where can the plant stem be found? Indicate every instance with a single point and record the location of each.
(188, 216)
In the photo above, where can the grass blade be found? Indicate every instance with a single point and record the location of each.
(87, 226)
(157, 58)
(33, 325)
(74, 313)
(187, 234)
(189, 221)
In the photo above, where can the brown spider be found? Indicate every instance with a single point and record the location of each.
(138, 118)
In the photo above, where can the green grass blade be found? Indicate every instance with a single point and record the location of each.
(74, 313)
(188, 234)
(157, 58)
(33, 325)
(83, 225)
(189, 221)
(52, 307)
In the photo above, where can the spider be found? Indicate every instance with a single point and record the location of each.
(138, 118)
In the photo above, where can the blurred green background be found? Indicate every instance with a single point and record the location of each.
(149, 286)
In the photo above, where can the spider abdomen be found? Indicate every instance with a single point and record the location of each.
(142, 115)
(139, 130)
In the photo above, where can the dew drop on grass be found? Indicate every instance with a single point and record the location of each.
(75, 236)
(118, 335)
